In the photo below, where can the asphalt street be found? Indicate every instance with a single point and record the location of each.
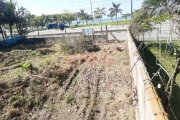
(120, 35)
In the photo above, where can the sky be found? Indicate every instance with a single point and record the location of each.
(38, 7)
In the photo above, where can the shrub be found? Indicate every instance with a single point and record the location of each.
(74, 45)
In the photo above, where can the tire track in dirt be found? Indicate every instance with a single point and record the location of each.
(83, 85)
(93, 108)
(88, 86)
(68, 83)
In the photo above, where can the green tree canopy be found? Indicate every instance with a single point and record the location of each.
(115, 10)
(100, 12)
(82, 15)
(125, 15)
(111, 15)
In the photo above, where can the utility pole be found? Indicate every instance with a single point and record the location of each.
(91, 12)
(131, 9)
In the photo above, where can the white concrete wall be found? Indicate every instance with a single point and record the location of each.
(149, 105)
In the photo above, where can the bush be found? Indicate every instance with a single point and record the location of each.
(74, 45)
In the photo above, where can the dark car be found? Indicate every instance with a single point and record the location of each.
(52, 26)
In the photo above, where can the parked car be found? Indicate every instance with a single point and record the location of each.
(52, 26)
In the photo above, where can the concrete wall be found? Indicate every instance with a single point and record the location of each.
(48, 39)
(51, 39)
(149, 104)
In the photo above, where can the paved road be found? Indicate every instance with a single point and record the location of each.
(163, 35)
(120, 35)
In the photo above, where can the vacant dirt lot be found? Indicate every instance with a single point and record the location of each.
(58, 86)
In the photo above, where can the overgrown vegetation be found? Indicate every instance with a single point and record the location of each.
(78, 45)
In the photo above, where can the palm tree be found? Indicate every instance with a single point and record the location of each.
(97, 17)
(87, 17)
(22, 19)
(45, 19)
(37, 22)
(29, 18)
(9, 15)
(111, 15)
(23, 12)
(115, 9)
(100, 12)
(61, 18)
(2, 20)
(125, 15)
(162, 6)
(69, 17)
(82, 15)
(55, 18)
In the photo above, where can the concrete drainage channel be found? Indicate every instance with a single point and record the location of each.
(149, 104)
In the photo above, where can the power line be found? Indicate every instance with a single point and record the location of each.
(84, 5)
(74, 6)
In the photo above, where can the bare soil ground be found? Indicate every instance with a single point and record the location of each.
(88, 86)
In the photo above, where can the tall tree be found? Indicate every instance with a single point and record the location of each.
(69, 17)
(125, 15)
(111, 15)
(156, 8)
(61, 18)
(55, 18)
(22, 19)
(9, 15)
(116, 9)
(87, 17)
(2, 20)
(23, 11)
(82, 15)
(100, 12)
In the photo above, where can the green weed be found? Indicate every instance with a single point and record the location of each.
(26, 65)
(74, 82)
(69, 99)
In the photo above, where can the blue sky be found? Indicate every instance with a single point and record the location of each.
(39, 7)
